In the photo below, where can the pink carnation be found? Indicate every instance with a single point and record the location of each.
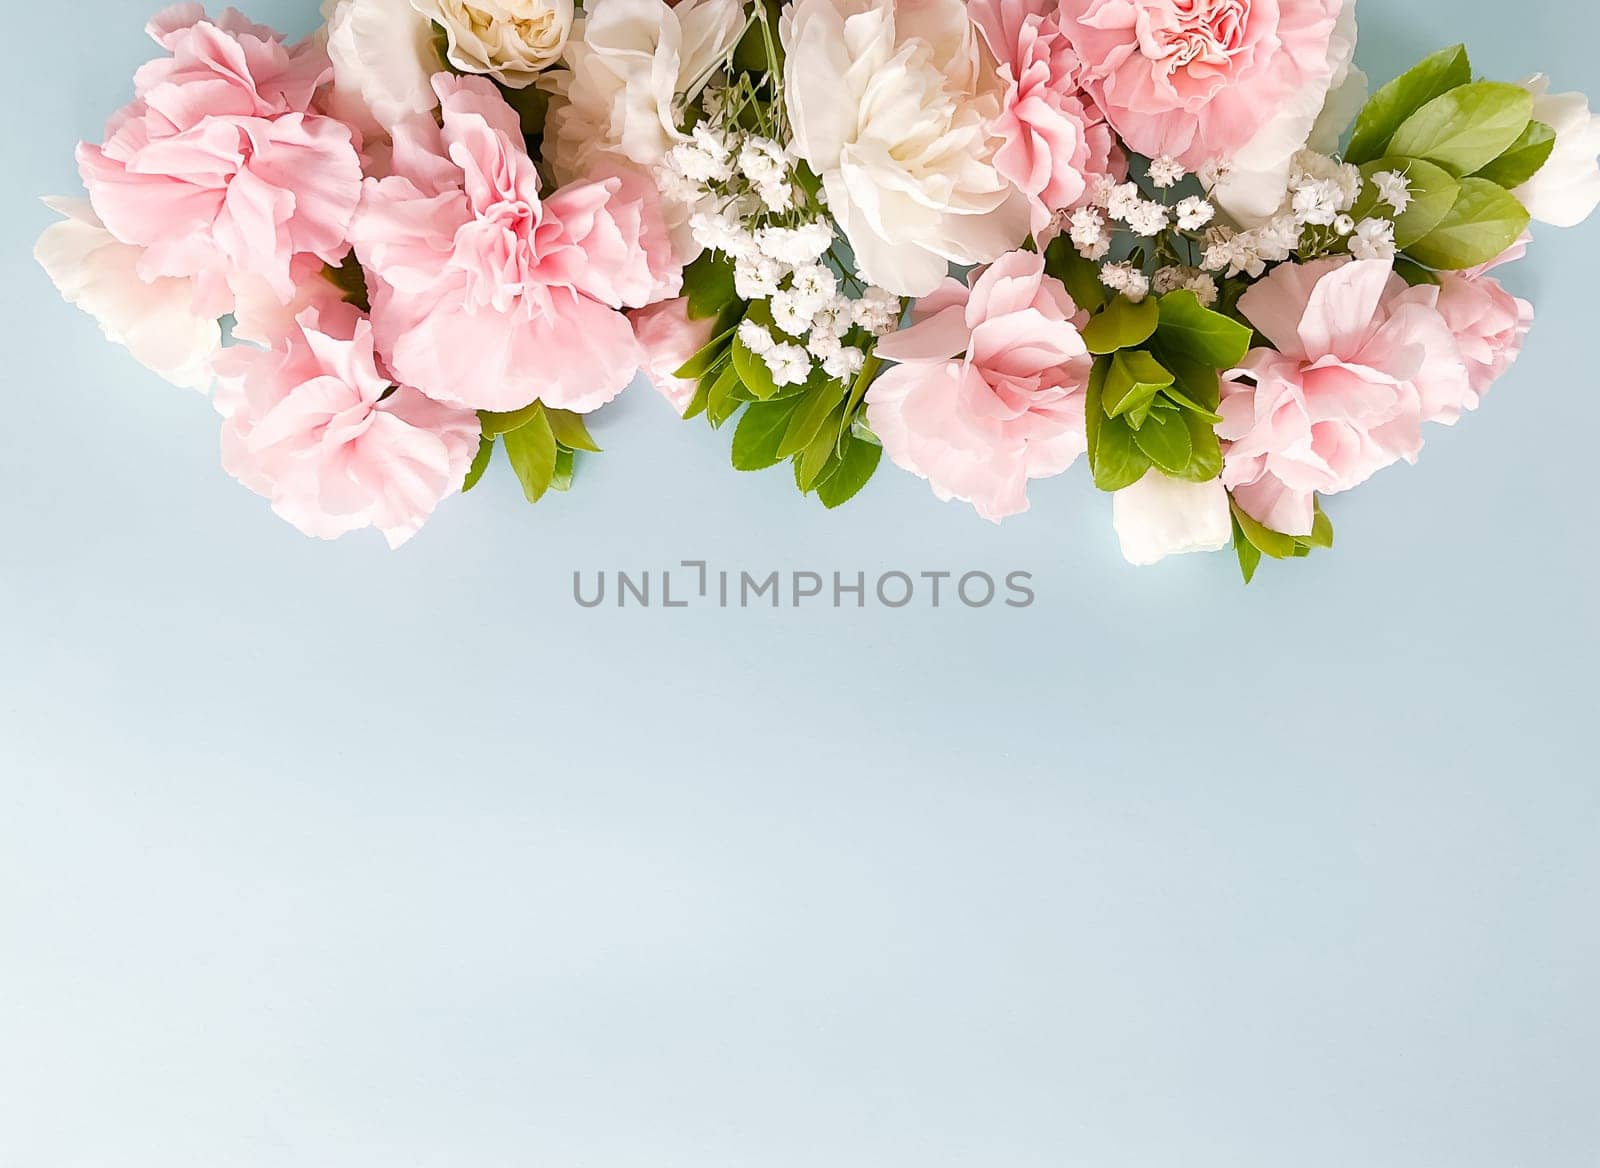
(1054, 140)
(484, 294)
(217, 168)
(1196, 79)
(1489, 323)
(317, 426)
(669, 337)
(989, 387)
(1360, 362)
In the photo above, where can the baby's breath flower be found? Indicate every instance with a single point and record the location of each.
(1393, 189)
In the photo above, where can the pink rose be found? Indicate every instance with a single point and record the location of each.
(218, 169)
(1360, 362)
(989, 386)
(1197, 79)
(486, 295)
(669, 337)
(1055, 141)
(318, 427)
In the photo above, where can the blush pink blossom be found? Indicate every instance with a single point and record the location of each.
(485, 294)
(988, 388)
(669, 337)
(1489, 323)
(1054, 140)
(1359, 362)
(1196, 79)
(317, 426)
(218, 169)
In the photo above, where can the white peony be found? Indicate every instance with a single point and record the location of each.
(513, 41)
(1257, 177)
(155, 320)
(1160, 516)
(630, 62)
(383, 57)
(890, 105)
(1566, 190)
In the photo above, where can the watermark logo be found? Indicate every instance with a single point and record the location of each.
(695, 583)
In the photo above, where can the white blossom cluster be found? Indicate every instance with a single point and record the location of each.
(749, 208)
(1092, 229)
(1315, 218)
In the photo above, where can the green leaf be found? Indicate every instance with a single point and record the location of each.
(1485, 221)
(856, 465)
(1188, 327)
(1205, 458)
(570, 430)
(726, 395)
(761, 428)
(708, 283)
(1523, 159)
(1249, 555)
(753, 372)
(1123, 325)
(566, 463)
(1118, 461)
(1094, 411)
(532, 450)
(480, 463)
(708, 356)
(1081, 276)
(1133, 381)
(1321, 530)
(702, 396)
(807, 420)
(351, 280)
(1413, 273)
(1164, 438)
(1268, 542)
(810, 462)
(495, 424)
(1434, 191)
(1395, 102)
(1466, 129)
(864, 379)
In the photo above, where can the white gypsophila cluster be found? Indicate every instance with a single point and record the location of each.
(750, 209)
(1092, 227)
(1180, 277)
(1313, 220)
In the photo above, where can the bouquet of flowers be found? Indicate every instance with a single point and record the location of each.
(981, 237)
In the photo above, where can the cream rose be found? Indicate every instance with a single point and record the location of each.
(513, 41)
(890, 105)
(629, 63)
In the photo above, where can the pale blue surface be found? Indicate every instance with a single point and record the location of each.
(316, 855)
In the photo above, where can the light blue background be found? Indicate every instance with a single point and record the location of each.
(312, 854)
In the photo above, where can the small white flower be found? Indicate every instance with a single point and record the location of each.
(1203, 287)
(756, 337)
(789, 364)
(1194, 213)
(790, 312)
(1316, 201)
(757, 278)
(1148, 219)
(1100, 188)
(1167, 280)
(845, 363)
(1127, 279)
(1393, 189)
(1213, 172)
(1165, 171)
(1124, 201)
(816, 284)
(1373, 240)
(1344, 225)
